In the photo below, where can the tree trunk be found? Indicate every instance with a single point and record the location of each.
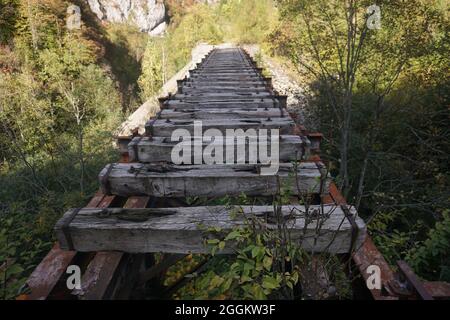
(81, 157)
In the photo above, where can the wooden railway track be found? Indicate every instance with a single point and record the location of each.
(140, 208)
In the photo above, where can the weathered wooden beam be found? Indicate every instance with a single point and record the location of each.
(48, 273)
(179, 230)
(159, 149)
(234, 71)
(98, 276)
(224, 96)
(225, 69)
(414, 281)
(209, 180)
(125, 281)
(102, 267)
(51, 271)
(439, 290)
(230, 70)
(232, 65)
(165, 128)
(243, 76)
(229, 83)
(227, 97)
(196, 90)
(238, 67)
(102, 271)
(222, 113)
(224, 103)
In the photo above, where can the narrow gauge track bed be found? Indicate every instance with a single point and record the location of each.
(138, 210)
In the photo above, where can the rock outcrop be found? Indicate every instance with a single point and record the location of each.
(148, 15)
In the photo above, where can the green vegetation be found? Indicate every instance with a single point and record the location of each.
(381, 99)
(62, 94)
(124, 52)
(235, 21)
(58, 108)
(266, 264)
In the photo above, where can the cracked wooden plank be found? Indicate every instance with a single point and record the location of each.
(179, 230)
(222, 113)
(165, 128)
(221, 103)
(209, 180)
(159, 149)
(98, 280)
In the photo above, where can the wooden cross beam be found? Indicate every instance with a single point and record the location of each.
(179, 230)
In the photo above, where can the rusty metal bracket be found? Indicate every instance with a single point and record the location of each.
(106, 188)
(355, 231)
(149, 125)
(65, 228)
(136, 147)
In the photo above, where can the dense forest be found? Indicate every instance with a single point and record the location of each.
(379, 95)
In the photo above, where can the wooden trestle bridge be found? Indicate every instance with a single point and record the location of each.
(142, 209)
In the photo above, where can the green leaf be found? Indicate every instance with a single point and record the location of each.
(14, 269)
(270, 282)
(290, 285)
(294, 277)
(245, 278)
(258, 252)
(227, 284)
(267, 263)
(247, 268)
(234, 266)
(258, 293)
(213, 241)
(216, 281)
(233, 235)
(255, 251)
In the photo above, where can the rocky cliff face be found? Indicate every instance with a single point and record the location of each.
(148, 15)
